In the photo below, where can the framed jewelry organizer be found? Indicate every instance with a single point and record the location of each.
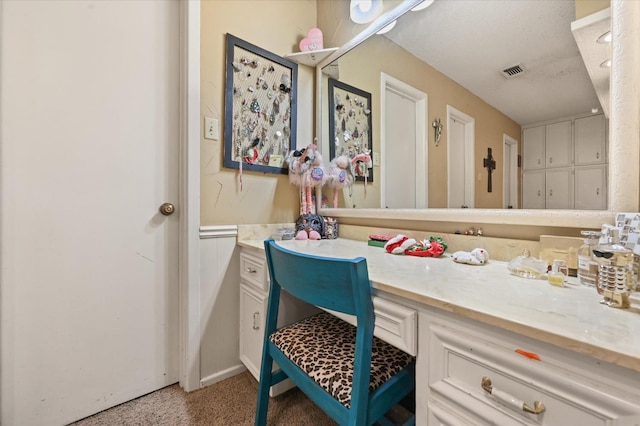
(260, 108)
(350, 127)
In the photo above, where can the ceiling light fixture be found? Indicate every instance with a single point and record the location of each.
(364, 11)
(604, 38)
(423, 5)
(606, 64)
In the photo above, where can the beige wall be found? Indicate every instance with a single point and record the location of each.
(361, 68)
(587, 7)
(276, 26)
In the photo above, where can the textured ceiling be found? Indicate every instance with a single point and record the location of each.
(471, 41)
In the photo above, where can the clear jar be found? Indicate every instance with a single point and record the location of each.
(587, 264)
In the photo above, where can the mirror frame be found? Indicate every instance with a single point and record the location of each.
(624, 161)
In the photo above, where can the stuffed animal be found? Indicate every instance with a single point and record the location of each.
(339, 176)
(399, 244)
(306, 171)
(477, 256)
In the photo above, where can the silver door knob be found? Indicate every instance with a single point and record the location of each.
(167, 209)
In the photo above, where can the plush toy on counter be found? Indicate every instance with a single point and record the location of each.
(307, 171)
(477, 256)
(398, 244)
(401, 244)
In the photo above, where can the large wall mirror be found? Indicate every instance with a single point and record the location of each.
(435, 177)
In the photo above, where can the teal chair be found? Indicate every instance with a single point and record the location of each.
(351, 375)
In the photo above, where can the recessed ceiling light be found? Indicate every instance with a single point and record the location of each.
(606, 64)
(605, 38)
(594, 110)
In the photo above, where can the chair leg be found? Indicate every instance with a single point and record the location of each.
(262, 406)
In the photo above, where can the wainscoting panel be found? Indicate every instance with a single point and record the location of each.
(219, 304)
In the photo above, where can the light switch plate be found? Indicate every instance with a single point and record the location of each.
(211, 129)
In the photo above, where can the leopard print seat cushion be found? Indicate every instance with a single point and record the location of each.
(323, 346)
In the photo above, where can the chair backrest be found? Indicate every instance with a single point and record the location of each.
(338, 284)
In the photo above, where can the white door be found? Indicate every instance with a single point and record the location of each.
(400, 182)
(510, 173)
(403, 145)
(90, 133)
(460, 153)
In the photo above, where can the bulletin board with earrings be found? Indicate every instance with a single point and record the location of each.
(260, 108)
(350, 127)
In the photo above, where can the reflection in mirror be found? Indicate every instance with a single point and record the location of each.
(459, 71)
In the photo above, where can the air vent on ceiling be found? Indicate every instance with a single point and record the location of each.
(513, 71)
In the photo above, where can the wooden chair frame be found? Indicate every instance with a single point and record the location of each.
(340, 285)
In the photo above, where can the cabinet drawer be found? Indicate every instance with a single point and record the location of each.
(459, 361)
(253, 270)
(395, 324)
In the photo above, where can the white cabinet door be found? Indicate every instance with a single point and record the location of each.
(591, 187)
(533, 148)
(558, 144)
(533, 189)
(559, 186)
(253, 306)
(590, 140)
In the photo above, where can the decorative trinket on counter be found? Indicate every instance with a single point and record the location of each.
(477, 256)
(615, 279)
(527, 266)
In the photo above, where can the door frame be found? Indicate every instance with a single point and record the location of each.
(189, 187)
(420, 99)
(511, 174)
(469, 140)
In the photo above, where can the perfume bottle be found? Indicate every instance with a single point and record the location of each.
(558, 274)
(587, 265)
(615, 279)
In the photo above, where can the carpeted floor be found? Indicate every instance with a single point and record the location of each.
(229, 402)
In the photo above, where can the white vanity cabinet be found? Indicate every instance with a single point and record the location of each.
(395, 323)
(254, 293)
(457, 356)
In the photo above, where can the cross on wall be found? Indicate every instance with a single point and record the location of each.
(490, 165)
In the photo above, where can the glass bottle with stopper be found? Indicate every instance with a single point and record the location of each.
(587, 265)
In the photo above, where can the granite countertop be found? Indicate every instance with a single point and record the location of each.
(570, 317)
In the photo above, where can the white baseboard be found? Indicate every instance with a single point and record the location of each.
(221, 375)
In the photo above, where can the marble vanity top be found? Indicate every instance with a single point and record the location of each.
(569, 317)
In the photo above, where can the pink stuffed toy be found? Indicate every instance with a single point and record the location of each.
(339, 176)
(306, 171)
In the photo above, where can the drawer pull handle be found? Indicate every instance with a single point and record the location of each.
(538, 407)
(255, 321)
(251, 270)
